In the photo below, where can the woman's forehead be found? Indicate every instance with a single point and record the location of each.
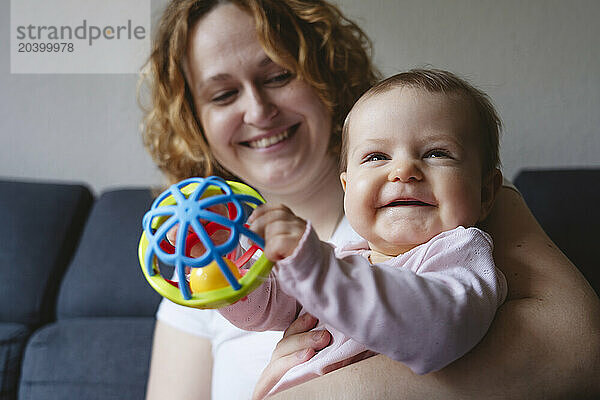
(224, 42)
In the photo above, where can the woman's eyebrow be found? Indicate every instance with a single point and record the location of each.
(218, 77)
(224, 76)
(265, 61)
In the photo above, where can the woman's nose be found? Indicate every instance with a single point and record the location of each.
(405, 171)
(259, 108)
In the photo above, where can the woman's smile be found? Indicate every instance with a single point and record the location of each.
(271, 139)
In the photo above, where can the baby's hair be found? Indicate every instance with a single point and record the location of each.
(439, 81)
(311, 38)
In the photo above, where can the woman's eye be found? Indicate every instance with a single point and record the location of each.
(279, 79)
(437, 154)
(375, 157)
(224, 97)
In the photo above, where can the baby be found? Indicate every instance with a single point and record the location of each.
(419, 171)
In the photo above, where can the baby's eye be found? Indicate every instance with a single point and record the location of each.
(375, 157)
(437, 153)
(279, 79)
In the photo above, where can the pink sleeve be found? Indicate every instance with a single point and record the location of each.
(426, 312)
(266, 308)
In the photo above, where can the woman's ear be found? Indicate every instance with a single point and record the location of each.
(489, 188)
(343, 180)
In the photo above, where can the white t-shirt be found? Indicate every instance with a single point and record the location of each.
(239, 356)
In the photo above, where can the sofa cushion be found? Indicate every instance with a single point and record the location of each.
(105, 278)
(565, 202)
(96, 358)
(39, 230)
(12, 342)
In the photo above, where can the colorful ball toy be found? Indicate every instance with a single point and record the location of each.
(216, 278)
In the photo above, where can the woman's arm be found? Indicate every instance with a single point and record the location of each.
(544, 342)
(172, 375)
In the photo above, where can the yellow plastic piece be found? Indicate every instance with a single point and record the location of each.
(210, 277)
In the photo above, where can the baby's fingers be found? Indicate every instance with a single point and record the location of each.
(267, 214)
(281, 243)
(281, 229)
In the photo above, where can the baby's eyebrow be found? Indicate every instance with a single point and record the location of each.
(374, 142)
(443, 139)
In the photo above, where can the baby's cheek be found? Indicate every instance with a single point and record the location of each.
(359, 214)
(465, 214)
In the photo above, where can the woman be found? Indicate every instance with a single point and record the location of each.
(257, 91)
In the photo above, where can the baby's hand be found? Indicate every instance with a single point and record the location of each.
(280, 227)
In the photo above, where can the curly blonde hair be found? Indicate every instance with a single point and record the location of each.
(310, 37)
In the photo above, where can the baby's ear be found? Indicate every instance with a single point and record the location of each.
(343, 180)
(489, 188)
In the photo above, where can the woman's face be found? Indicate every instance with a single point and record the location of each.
(262, 124)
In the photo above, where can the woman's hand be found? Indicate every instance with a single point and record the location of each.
(298, 345)
(280, 227)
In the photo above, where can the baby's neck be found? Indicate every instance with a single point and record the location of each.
(378, 257)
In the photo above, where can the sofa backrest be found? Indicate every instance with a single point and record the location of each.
(105, 278)
(40, 226)
(566, 204)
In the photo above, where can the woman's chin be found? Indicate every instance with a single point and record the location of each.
(276, 180)
(287, 173)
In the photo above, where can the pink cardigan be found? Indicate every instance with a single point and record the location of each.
(425, 308)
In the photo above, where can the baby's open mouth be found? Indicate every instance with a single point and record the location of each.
(271, 140)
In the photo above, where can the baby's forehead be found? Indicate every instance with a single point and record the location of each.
(422, 115)
(411, 90)
(386, 101)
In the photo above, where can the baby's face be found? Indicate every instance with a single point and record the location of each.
(414, 168)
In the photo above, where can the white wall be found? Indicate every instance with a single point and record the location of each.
(70, 127)
(538, 59)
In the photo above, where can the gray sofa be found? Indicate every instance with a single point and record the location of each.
(76, 315)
